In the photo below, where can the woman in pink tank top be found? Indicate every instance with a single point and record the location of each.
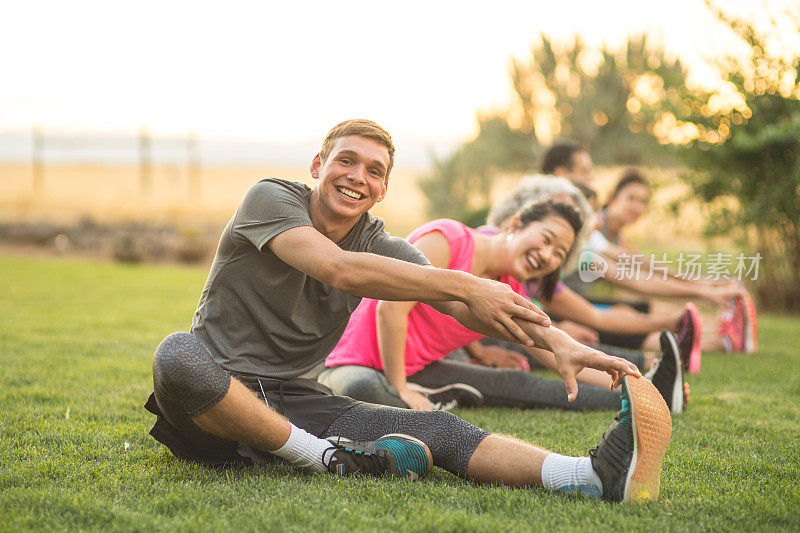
(393, 343)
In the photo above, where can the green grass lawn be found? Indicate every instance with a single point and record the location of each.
(77, 337)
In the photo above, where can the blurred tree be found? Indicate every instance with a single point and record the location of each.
(610, 101)
(459, 185)
(607, 100)
(744, 154)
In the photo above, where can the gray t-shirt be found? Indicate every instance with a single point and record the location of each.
(260, 316)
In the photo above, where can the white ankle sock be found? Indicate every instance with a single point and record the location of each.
(304, 449)
(570, 474)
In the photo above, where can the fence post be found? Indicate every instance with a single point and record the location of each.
(193, 165)
(145, 161)
(37, 160)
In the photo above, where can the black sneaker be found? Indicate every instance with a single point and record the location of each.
(450, 396)
(667, 375)
(629, 457)
(394, 455)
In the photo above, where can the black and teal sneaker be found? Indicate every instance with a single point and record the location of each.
(667, 375)
(394, 455)
(629, 457)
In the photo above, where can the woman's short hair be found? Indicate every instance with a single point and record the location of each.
(532, 188)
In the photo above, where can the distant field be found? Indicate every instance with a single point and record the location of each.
(113, 193)
(76, 341)
(109, 193)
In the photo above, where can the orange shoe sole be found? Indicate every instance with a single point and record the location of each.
(751, 323)
(652, 429)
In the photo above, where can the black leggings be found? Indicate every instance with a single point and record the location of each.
(499, 386)
(623, 340)
(633, 355)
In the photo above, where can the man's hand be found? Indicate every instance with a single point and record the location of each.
(572, 357)
(498, 357)
(495, 305)
(415, 400)
(579, 333)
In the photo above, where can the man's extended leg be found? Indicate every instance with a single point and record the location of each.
(457, 446)
(210, 409)
(514, 388)
(451, 440)
(625, 466)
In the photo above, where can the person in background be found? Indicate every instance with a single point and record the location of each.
(616, 331)
(627, 203)
(392, 352)
(735, 328)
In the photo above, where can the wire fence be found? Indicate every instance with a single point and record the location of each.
(145, 149)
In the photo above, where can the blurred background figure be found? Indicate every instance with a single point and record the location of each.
(570, 160)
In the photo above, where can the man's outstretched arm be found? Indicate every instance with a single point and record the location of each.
(492, 305)
(571, 356)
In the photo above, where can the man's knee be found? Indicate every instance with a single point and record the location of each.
(184, 369)
(178, 355)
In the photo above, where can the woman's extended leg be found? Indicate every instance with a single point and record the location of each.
(514, 388)
(361, 383)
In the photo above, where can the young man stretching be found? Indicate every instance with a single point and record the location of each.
(291, 266)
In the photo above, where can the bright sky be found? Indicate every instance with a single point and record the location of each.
(288, 71)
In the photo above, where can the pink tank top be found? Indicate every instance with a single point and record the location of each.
(431, 335)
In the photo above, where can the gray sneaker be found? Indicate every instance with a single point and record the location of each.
(450, 396)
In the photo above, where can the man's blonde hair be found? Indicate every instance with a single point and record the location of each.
(362, 128)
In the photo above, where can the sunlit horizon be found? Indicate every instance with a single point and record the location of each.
(287, 73)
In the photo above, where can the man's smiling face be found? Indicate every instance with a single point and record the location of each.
(353, 178)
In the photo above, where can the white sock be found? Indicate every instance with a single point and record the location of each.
(570, 474)
(304, 449)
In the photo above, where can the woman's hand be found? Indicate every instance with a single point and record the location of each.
(498, 357)
(578, 332)
(415, 400)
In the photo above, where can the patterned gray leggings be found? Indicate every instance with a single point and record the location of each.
(187, 383)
